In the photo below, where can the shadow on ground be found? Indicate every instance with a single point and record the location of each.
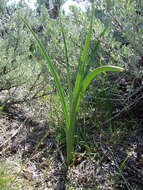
(118, 166)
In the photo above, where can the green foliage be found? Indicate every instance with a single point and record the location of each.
(124, 19)
(5, 177)
(80, 86)
(53, 7)
(21, 77)
(2, 6)
(120, 46)
(116, 40)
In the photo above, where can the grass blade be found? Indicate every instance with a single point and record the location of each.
(93, 53)
(87, 43)
(80, 73)
(89, 78)
(67, 65)
(98, 70)
(52, 69)
(76, 95)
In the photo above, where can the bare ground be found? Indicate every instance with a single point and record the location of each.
(38, 162)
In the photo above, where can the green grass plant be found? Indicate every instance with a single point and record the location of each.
(5, 177)
(84, 77)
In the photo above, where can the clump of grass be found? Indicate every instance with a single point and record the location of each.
(76, 92)
(5, 177)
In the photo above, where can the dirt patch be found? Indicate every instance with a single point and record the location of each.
(34, 155)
